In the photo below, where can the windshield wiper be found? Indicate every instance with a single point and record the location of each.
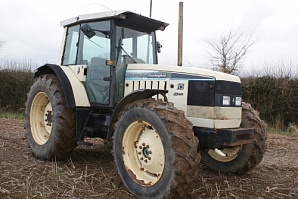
(119, 48)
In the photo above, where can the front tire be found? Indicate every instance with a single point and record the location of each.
(242, 158)
(155, 150)
(49, 124)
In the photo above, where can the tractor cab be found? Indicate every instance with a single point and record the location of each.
(105, 43)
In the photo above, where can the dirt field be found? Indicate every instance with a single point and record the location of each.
(91, 172)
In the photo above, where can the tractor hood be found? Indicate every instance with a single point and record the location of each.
(208, 98)
(164, 71)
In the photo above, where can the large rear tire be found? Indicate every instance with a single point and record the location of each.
(242, 158)
(155, 149)
(49, 124)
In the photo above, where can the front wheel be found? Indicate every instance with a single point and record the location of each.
(155, 149)
(242, 158)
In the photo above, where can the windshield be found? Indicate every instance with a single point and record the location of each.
(80, 49)
(134, 46)
(96, 47)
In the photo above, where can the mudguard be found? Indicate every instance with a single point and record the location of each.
(136, 95)
(74, 90)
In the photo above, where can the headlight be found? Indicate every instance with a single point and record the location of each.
(226, 100)
(238, 101)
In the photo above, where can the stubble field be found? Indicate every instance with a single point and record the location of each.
(91, 172)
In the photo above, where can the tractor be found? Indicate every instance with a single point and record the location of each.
(160, 121)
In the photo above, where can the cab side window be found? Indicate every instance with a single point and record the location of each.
(70, 51)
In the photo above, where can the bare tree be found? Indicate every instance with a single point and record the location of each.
(229, 50)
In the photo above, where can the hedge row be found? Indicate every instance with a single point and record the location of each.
(14, 86)
(275, 98)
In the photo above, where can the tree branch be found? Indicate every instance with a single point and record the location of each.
(229, 50)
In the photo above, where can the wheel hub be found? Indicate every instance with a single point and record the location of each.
(146, 152)
(48, 118)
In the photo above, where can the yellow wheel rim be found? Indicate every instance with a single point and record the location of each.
(226, 154)
(41, 118)
(143, 153)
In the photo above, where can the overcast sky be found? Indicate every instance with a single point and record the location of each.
(31, 28)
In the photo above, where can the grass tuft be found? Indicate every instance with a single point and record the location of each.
(11, 115)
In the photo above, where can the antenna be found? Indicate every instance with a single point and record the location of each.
(91, 6)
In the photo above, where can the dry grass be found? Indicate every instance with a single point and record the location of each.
(291, 131)
(11, 115)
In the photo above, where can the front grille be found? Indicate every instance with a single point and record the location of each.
(201, 93)
(211, 92)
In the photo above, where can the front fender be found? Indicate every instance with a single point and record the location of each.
(136, 95)
(74, 90)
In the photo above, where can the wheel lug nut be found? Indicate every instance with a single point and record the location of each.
(147, 146)
(142, 169)
(146, 160)
(139, 153)
(141, 158)
(150, 152)
(143, 144)
(140, 147)
(149, 158)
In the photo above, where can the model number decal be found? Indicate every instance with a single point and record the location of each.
(178, 94)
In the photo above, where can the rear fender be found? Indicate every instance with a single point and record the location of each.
(74, 90)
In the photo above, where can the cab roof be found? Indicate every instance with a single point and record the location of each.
(126, 17)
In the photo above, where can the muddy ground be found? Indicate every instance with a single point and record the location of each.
(91, 173)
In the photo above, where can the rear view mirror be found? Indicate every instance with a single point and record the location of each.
(159, 46)
(88, 31)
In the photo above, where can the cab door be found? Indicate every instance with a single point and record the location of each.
(94, 52)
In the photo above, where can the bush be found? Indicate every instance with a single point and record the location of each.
(276, 98)
(16, 77)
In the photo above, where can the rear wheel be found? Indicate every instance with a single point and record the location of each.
(242, 158)
(155, 149)
(49, 124)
